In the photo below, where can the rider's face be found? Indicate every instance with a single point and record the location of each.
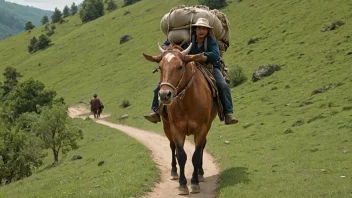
(201, 31)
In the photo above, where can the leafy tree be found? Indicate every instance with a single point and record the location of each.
(45, 20)
(27, 97)
(55, 129)
(111, 5)
(56, 16)
(129, 2)
(10, 80)
(33, 47)
(74, 8)
(213, 4)
(66, 11)
(91, 9)
(20, 153)
(43, 41)
(29, 26)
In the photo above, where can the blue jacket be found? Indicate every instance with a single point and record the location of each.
(212, 53)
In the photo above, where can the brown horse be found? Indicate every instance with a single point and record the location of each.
(95, 107)
(190, 109)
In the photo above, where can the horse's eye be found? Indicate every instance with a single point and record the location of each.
(179, 67)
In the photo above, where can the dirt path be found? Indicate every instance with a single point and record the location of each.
(161, 154)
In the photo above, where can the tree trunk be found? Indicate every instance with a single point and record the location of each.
(56, 155)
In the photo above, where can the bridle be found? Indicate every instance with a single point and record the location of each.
(175, 89)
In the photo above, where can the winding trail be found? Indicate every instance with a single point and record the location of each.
(161, 154)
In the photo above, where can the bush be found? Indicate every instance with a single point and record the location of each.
(125, 103)
(43, 41)
(213, 4)
(29, 26)
(91, 9)
(35, 45)
(129, 2)
(111, 6)
(237, 76)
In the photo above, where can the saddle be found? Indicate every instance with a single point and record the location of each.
(207, 71)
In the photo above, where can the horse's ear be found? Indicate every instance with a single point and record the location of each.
(152, 58)
(190, 58)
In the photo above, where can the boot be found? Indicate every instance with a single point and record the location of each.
(153, 117)
(229, 119)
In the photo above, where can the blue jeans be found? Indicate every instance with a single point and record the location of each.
(223, 88)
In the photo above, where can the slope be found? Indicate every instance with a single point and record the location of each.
(289, 143)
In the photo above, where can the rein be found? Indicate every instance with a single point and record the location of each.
(181, 94)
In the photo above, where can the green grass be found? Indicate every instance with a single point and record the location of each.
(127, 170)
(267, 157)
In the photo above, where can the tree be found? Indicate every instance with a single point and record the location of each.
(10, 80)
(55, 129)
(26, 97)
(45, 20)
(213, 4)
(20, 153)
(111, 5)
(91, 9)
(56, 16)
(129, 2)
(29, 26)
(43, 41)
(33, 47)
(66, 11)
(74, 8)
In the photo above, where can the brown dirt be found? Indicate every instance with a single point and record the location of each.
(161, 154)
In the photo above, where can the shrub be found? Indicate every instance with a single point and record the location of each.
(237, 76)
(43, 41)
(213, 4)
(111, 6)
(91, 9)
(129, 2)
(29, 26)
(125, 103)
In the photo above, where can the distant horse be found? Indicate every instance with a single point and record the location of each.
(95, 107)
(190, 109)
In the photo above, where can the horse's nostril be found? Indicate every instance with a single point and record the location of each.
(169, 94)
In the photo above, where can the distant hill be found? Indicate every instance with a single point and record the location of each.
(14, 16)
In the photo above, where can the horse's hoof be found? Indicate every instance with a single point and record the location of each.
(183, 190)
(195, 188)
(200, 178)
(174, 176)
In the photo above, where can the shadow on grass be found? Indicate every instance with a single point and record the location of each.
(233, 176)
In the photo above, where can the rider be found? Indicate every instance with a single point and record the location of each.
(211, 54)
(95, 104)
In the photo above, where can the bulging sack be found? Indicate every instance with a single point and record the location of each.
(176, 24)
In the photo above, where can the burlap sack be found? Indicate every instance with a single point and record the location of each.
(176, 24)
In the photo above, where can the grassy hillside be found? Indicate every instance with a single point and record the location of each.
(289, 143)
(118, 175)
(13, 17)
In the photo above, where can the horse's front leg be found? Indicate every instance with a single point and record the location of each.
(174, 175)
(201, 170)
(181, 158)
(196, 161)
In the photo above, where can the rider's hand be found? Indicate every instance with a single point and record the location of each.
(203, 57)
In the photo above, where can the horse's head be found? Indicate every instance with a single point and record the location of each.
(173, 64)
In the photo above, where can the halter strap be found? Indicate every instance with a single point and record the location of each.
(175, 89)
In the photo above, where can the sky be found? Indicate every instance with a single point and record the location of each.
(47, 4)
